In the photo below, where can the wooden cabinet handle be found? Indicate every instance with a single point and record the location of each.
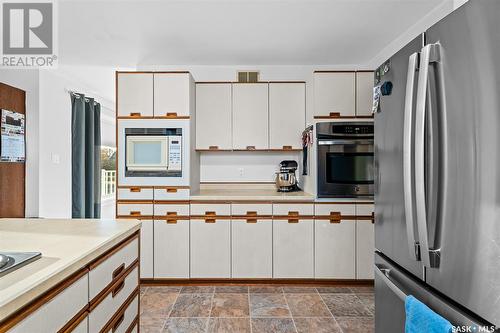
(287, 147)
(171, 114)
(293, 213)
(135, 114)
(209, 220)
(135, 189)
(135, 213)
(335, 114)
(335, 217)
(118, 270)
(171, 214)
(293, 220)
(118, 288)
(252, 213)
(213, 148)
(250, 147)
(117, 324)
(373, 217)
(251, 220)
(171, 221)
(171, 190)
(210, 213)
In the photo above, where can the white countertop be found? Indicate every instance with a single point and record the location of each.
(66, 246)
(247, 192)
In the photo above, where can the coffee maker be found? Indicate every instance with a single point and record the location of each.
(286, 180)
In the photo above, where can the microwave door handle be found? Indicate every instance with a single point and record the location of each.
(408, 175)
(430, 54)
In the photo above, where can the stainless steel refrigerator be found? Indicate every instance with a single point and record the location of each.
(437, 162)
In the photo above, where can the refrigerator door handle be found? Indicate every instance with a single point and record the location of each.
(430, 53)
(408, 171)
(384, 274)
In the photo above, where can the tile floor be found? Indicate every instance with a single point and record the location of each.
(257, 309)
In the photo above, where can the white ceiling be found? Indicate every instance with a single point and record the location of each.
(232, 32)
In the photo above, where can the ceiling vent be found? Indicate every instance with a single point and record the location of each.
(248, 77)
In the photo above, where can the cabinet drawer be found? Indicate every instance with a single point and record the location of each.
(134, 193)
(211, 209)
(252, 209)
(335, 212)
(101, 275)
(293, 209)
(171, 193)
(134, 209)
(82, 327)
(171, 210)
(60, 309)
(104, 311)
(125, 318)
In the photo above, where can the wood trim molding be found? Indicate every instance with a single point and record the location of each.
(38, 302)
(121, 310)
(75, 321)
(132, 201)
(231, 281)
(114, 284)
(96, 262)
(171, 202)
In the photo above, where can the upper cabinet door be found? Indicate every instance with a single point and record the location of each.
(135, 94)
(287, 112)
(213, 116)
(334, 94)
(364, 93)
(250, 116)
(171, 94)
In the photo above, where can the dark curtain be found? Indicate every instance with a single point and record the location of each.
(86, 156)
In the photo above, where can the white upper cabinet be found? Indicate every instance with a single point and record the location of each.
(213, 116)
(287, 109)
(171, 94)
(250, 116)
(135, 94)
(364, 93)
(334, 93)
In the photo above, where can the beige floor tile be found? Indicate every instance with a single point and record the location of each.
(273, 325)
(345, 305)
(230, 305)
(307, 305)
(185, 325)
(192, 305)
(229, 325)
(356, 324)
(268, 305)
(317, 325)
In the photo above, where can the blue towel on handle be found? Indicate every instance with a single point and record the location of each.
(421, 319)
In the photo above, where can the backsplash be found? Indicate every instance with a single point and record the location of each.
(243, 166)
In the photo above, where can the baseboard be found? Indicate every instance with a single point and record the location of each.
(329, 282)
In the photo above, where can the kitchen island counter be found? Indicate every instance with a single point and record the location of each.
(66, 245)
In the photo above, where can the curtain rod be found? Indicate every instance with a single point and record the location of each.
(76, 94)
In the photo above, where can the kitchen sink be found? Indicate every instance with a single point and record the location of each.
(10, 261)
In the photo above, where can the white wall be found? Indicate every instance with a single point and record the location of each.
(55, 129)
(27, 80)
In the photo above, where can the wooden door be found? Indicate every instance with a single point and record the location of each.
(12, 175)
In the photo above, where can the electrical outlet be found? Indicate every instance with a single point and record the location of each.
(56, 159)
(241, 172)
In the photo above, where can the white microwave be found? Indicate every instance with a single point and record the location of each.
(153, 152)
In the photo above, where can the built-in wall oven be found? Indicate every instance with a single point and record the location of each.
(345, 159)
(153, 152)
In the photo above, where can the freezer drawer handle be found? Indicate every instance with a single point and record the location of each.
(384, 274)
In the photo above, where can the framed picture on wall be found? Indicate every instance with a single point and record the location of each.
(12, 142)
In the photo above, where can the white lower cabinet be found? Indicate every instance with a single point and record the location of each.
(252, 248)
(335, 245)
(171, 249)
(365, 243)
(210, 248)
(293, 248)
(147, 249)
